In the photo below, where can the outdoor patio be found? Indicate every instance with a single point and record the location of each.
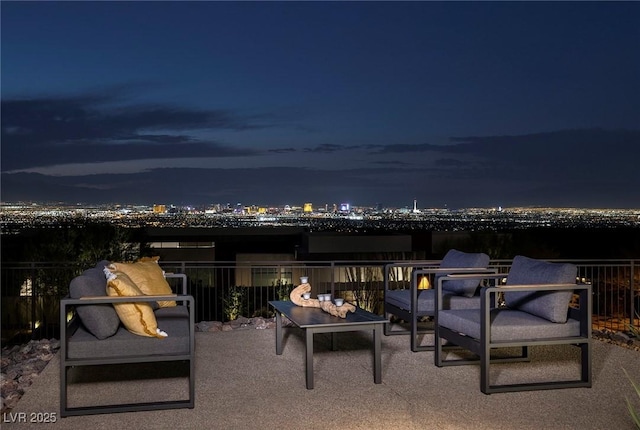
(242, 383)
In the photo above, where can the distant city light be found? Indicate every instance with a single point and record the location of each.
(14, 217)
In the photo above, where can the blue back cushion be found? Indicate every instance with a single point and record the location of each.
(459, 259)
(553, 306)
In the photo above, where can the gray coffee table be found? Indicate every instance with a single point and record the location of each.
(314, 320)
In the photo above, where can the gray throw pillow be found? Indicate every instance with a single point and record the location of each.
(100, 320)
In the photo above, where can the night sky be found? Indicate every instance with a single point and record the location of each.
(457, 104)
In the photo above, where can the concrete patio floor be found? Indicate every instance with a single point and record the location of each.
(243, 384)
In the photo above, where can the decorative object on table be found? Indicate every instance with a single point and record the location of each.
(297, 297)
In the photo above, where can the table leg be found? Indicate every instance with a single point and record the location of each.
(278, 333)
(377, 354)
(308, 334)
(334, 341)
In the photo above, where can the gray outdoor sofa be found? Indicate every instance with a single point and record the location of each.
(91, 335)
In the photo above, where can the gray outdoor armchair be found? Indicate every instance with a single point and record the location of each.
(536, 312)
(413, 304)
(92, 336)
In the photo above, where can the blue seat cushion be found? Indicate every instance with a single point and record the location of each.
(553, 306)
(507, 325)
(126, 344)
(459, 259)
(426, 301)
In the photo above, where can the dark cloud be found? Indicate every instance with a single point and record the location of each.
(556, 159)
(583, 143)
(393, 163)
(394, 185)
(401, 148)
(98, 127)
(550, 155)
(450, 162)
(282, 150)
(539, 145)
(326, 148)
(194, 186)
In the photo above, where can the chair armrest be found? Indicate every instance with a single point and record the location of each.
(67, 302)
(459, 272)
(128, 299)
(583, 314)
(539, 287)
(450, 273)
(583, 291)
(486, 292)
(420, 263)
(170, 275)
(490, 273)
(388, 267)
(465, 273)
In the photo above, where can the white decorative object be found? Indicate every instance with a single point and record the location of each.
(297, 297)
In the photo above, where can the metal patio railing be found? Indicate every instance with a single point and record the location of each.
(31, 291)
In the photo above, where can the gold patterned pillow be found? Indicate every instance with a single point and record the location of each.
(148, 276)
(137, 317)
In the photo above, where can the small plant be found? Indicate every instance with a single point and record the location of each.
(283, 289)
(233, 302)
(366, 293)
(263, 312)
(635, 414)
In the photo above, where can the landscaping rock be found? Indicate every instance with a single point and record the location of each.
(21, 365)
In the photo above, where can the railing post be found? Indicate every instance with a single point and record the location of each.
(333, 280)
(632, 294)
(34, 300)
